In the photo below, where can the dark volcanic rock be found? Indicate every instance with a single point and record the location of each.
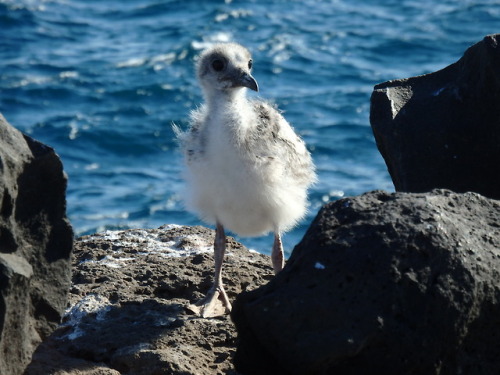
(35, 246)
(442, 130)
(128, 299)
(382, 283)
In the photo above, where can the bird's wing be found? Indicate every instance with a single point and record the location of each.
(274, 138)
(192, 141)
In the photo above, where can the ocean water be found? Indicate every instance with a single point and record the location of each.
(102, 82)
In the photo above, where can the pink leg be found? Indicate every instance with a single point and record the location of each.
(277, 254)
(216, 302)
(219, 251)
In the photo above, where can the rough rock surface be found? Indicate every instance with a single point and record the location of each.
(128, 299)
(35, 245)
(442, 130)
(401, 283)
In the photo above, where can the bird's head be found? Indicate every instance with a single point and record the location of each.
(226, 67)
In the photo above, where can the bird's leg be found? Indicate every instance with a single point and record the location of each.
(277, 254)
(216, 302)
(219, 250)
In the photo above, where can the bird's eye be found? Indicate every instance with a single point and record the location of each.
(250, 64)
(218, 65)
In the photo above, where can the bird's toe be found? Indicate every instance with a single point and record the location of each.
(215, 303)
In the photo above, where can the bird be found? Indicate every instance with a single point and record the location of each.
(246, 170)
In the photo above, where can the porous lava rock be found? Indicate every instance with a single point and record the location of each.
(35, 246)
(442, 130)
(400, 283)
(128, 300)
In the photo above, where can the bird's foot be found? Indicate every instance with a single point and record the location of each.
(215, 303)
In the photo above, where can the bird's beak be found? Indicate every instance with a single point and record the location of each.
(244, 79)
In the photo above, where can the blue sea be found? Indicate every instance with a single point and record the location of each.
(103, 81)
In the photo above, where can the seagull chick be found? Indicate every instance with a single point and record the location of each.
(247, 170)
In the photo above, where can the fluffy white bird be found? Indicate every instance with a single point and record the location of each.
(247, 170)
